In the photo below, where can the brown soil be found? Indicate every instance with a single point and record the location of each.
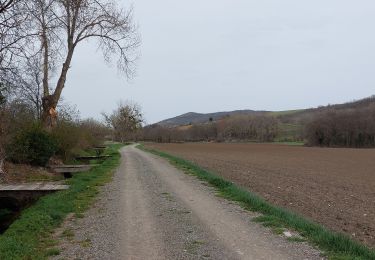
(20, 173)
(335, 187)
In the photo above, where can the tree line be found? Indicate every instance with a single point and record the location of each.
(345, 125)
(351, 127)
(236, 128)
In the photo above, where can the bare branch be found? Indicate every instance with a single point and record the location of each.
(61, 25)
(4, 5)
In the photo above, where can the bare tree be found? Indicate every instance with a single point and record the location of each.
(2, 136)
(125, 120)
(343, 127)
(2, 94)
(14, 31)
(28, 84)
(4, 131)
(64, 24)
(5, 25)
(5, 5)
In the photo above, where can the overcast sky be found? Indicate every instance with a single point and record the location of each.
(220, 55)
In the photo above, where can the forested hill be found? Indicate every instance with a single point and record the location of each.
(293, 115)
(197, 118)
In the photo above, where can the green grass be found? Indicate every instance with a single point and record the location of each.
(284, 113)
(71, 159)
(4, 213)
(335, 245)
(68, 233)
(43, 177)
(289, 132)
(52, 252)
(291, 143)
(29, 237)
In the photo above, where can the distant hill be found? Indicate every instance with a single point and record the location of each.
(290, 116)
(199, 118)
(306, 114)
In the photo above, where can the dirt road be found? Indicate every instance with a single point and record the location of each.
(162, 213)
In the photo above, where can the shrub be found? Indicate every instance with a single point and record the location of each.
(32, 145)
(72, 137)
(67, 136)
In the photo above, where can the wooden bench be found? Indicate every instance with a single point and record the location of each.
(68, 170)
(99, 150)
(37, 186)
(93, 157)
(20, 194)
(101, 146)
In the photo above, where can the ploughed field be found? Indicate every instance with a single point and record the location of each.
(334, 187)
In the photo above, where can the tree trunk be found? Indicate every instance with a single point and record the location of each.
(2, 166)
(3, 125)
(49, 102)
(2, 163)
(49, 114)
(45, 64)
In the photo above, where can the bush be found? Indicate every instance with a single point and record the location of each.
(67, 136)
(32, 145)
(72, 137)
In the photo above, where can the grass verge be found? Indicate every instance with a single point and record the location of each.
(334, 245)
(29, 237)
(291, 143)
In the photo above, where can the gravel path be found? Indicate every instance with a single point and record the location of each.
(153, 211)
